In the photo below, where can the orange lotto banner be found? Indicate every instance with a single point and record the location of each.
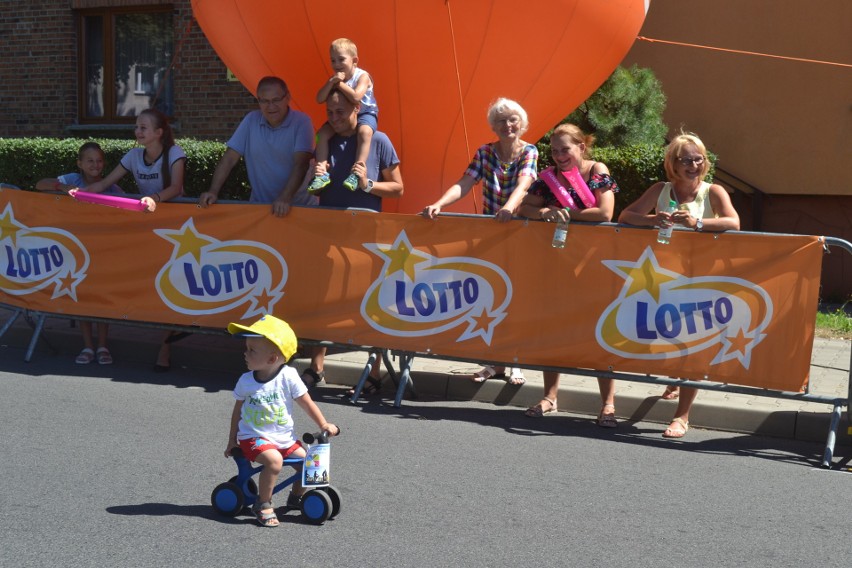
(735, 308)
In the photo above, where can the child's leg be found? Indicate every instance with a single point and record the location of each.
(272, 463)
(367, 124)
(88, 338)
(365, 137)
(87, 355)
(323, 136)
(103, 332)
(297, 485)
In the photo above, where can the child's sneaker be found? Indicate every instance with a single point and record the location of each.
(318, 183)
(351, 182)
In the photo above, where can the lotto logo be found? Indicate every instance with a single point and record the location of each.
(208, 276)
(35, 258)
(660, 314)
(417, 294)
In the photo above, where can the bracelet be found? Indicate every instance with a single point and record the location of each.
(156, 197)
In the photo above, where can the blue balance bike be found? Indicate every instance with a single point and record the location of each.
(320, 502)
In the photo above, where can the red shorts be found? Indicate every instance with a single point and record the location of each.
(253, 447)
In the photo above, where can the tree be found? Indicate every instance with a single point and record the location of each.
(627, 109)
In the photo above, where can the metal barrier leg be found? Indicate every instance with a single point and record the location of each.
(389, 366)
(832, 436)
(364, 374)
(34, 339)
(405, 380)
(11, 321)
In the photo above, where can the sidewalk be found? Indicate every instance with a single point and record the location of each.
(447, 380)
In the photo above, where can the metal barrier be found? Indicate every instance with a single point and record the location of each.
(404, 381)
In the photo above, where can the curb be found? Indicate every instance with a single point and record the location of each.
(634, 401)
(446, 380)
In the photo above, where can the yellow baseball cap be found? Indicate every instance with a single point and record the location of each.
(275, 330)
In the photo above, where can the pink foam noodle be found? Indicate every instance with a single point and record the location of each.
(575, 180)
(108, 200)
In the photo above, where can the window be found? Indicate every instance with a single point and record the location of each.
(124, 56)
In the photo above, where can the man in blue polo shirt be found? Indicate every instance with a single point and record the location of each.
(277, 143)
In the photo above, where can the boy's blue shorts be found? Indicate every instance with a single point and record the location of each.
(369, 119)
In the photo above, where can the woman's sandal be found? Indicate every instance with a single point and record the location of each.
(371, 387)
(516, 377)
(607, 419)
(312, 378)
(538, 410)
(104, 356)
(265, 519)
(671, 393)
(486, 373)
(677, 432)
(85, 357)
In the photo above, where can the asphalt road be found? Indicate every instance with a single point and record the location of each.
(115, 465)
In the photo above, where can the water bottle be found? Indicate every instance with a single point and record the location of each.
(561, 232)
(665, 234)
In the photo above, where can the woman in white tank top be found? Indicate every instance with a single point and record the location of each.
(701, 207)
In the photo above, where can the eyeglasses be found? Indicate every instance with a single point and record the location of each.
(513, 120)
(687, 161)
(275, 101)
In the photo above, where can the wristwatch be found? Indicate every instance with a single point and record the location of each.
(699, 225)
(369, 187)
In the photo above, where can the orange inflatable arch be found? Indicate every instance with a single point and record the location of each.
(436, 65)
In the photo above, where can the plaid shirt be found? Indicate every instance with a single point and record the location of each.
(498, 179)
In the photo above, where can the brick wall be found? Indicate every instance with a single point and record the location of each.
(38, 73)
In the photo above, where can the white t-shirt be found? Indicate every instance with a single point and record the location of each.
(268, 407)
(148, 177)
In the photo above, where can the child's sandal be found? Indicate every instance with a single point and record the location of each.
(85, 357)
(268, 519)
(104, 356)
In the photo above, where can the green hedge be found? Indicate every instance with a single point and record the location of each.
(24, 161)
(635, 168)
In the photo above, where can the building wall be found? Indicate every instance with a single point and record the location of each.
(38, 70)
(782, 129)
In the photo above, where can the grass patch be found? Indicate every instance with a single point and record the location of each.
(834, 321)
